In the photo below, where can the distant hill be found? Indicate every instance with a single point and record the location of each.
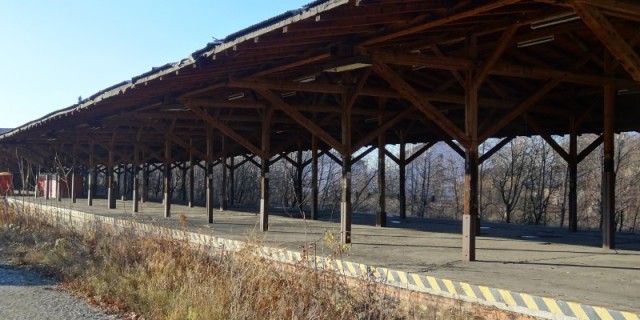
(3, 130)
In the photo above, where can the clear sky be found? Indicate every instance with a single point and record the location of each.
(52, 52)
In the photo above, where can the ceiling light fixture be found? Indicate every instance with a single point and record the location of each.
(235, 96)
(287, 94)
(348, 64)
(536, 41)
(551, 21)
(306, 79)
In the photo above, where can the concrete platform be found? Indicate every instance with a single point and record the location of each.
(547, 262)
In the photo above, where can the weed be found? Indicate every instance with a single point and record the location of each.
(165, 278)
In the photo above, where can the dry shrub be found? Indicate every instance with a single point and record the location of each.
(164, 278)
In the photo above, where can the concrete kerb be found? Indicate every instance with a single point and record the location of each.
(522, 303)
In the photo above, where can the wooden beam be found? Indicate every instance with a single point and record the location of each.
(502, 44)
(288, 66)
(590, 148)
(412, 95)
(455, 147)
(299, 118)
(391, 156)
(546, 136)
(609, 36)
(625, 7)
(287, 86)
(513, 70)
(423, 60)
(495, 148)
(386, 125)
(225, 129)
(518, 110)
(363, 154)
(420, 151)
(441, 21)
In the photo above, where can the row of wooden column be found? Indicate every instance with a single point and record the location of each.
(472, 162)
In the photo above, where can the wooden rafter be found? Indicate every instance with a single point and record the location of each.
(609, 36)
(590, 148)
(518, 110)
(384, 127)
(441, 21)
(502, 45)
(300, 118)
(547, 137)
(495, 149)
(225, 129)
(411, 94)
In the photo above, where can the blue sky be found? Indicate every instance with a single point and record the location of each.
(52, 52)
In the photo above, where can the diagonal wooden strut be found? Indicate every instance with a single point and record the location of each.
(225, 129)
(609, 36)
(299, 118)
(411, 94)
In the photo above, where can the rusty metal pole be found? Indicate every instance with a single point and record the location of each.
(314, 177)
(167, 178)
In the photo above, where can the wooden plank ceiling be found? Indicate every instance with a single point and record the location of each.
(411, 60)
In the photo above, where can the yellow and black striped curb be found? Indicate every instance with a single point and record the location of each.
(523, 303)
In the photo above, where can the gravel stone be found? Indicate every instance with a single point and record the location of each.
(25, 294)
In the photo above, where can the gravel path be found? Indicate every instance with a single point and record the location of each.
(25, 294)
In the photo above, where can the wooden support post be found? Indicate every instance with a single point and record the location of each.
(58, 189)
(144, 194)
(232, 181)
(183, 183)
(73, 175)
(223, 184)
(264, 169)
(191, 175)
(111, 197)
(91, 179)
(47, 188)
(573, 176)
(299, 172)
(167, 177)
(135, 195)
(381, 212)
(402, 170)
(191, 183)
(314, 177)
(209, 175)
(470, 217)
(345, 203)
(123, 173)
(608, 172)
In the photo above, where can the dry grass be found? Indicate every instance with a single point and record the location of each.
(170, 279)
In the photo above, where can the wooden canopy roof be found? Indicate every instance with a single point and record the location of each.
(400, 68)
